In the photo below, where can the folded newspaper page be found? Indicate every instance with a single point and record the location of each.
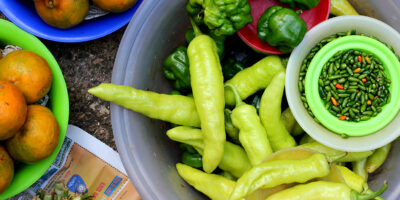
(85, 164)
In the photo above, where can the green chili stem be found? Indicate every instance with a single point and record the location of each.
(357, 196)
(238, 100)
(196, 29)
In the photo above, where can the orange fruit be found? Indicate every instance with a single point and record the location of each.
(38, 137)
(12, 110)
(29, 72)
(62, 13)
(6, 169)
(115, 6)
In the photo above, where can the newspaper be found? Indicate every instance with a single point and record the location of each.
(85, 164)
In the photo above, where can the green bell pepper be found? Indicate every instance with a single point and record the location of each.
(302, 4)
(231, 67)
(192, 159)
(223, 17)
(176, 69)
(281, 27)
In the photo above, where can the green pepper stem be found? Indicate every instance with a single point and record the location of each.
(358, 196)
(238, 100)
(196, 29)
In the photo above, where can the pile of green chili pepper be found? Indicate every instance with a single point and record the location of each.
(354, 85)
(234, 150)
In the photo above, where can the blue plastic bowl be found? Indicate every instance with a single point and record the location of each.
(23, 14)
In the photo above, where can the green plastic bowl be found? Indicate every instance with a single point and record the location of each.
(392, 70)
(25, 175)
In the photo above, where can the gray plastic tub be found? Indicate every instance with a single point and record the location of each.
(147, 154)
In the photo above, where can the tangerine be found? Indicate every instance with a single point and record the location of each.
(115, 6)
(62, 13)
(12, 110)
(29, 72)
(6, 169)
(38, 137)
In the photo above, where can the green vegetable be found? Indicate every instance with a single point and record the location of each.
(297, 130)
(231, 67)
(377, 158)
(234, 160)
(354, 86)
(208, 91)
(254, 78)
(306, 139)
(176, 69)
(323, 190)
(192, 159)
(60, 192)
(176, 109)
(349, 157)
(302, 4)
(270, 114)
(216, 187)
(359, 168)
(230, 129)
(219, 41)
(228, 175)
(252, 135)
(254, 100)
(223, 17)
(281, 27)
(353, 180)
(288, 119)
(273, 173)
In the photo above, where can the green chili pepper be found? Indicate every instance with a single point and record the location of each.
(231, 67)
(297, 130)
(192, 159)
(301, 4)
(219, 41)
(323, 190)
(176, 69)
(208, 92)
(281, 27)
(270, 114)
(353, 180)
(288, 119)
(377, 158)
(252, 135)
(230, 129)
(228, 175)
(223, 17)
(306, 139)
(234, 160)
(359, 168)
(176, 109)
(254, 78)
(214, 186)
(350, 157)
(277, 172)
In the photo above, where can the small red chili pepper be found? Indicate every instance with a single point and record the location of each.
(338, 86)
(357, 91)
(359, 59)
(375, 97)
(364, 80)
(357, 70)
(343, 117)
(369, 102)
(334, 102)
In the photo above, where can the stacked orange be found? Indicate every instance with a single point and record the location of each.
(29, 132)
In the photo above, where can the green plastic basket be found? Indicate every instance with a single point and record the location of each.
(392, 70)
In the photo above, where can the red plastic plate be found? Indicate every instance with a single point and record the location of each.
(248, 33)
